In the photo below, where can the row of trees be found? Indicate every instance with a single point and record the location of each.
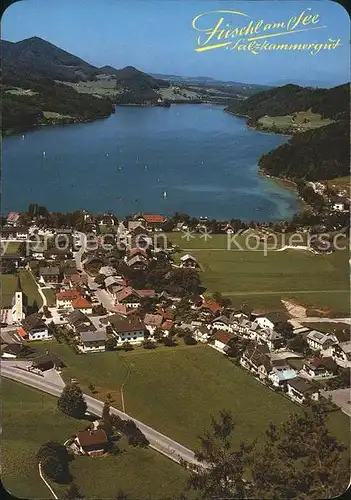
(298, 459)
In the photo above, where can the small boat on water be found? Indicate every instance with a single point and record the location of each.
(44, 153)
(164, 196)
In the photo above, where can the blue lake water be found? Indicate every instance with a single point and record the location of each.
(202, 157)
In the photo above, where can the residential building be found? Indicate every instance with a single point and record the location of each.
(153, 321)
(92, 442)
(47, 361)
(11, 351)
(49, 275)
(137, 262)
(65, 298)
(341, 353)
(201, 333)
(221, 340)
(36, 328)
(210, 309)
(79, 322)
(12, 218)
(256, 359)
(151, 221)
(188, 261)
(299, 389)
(279, 376)
(319, 341)
(320, 367)
(127, 329)
(128, 297)
(270, 320)
(222, 323)
(92, 341)
(83, 305)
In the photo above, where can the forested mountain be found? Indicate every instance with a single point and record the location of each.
(317, 154)
(35, 57)
(280, 101)
(134, 79)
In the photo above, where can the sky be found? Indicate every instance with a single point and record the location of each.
(157, 36)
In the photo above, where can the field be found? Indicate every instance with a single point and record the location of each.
(9, 284)
(263, 279)
(50, 296)
(10, 247)
(178, 389)
(27, 421)
(300, 121)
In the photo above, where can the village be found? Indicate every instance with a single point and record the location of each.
(96, 301)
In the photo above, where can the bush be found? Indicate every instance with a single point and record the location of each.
(148, 344)
(169, 342)
(189, 340)
(54, 459)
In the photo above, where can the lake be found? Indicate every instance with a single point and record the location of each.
(190, 158)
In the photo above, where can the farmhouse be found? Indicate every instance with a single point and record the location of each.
(92, 442)
(83, 305)
(299, 389)
(209, 308)
(153, 321)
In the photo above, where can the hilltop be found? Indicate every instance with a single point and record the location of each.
(318, 119)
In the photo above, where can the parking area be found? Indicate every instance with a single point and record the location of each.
(340, 397)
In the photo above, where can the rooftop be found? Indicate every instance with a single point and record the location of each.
(92, 437)
(91, 336)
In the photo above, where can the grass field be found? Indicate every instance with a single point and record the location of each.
(10, 247)
(9, 284)
(50, 295)
(176, 390)
(261, 280)
(301, 121)
(30, 418)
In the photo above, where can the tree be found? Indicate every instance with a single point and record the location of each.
(127, 346)
(121, 495)
(53, 458)
(106, 417)
(300, 459)
(92, 388)
(189, 340)
(223, 475)
(72, 493)
(111, 344)
(285, 329)
(72, 401)
(299, 344)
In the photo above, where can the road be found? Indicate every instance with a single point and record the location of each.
(102, 295)
(159, 442)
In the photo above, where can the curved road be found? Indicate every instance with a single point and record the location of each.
(158, 441)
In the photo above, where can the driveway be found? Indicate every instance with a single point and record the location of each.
(341, 397)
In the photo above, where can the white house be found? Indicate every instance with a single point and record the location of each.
(341, 353)
(299, 389)
(188, 261)
(222, 323)
(201, 333)
(339, 206)
(127, 329)
(92, 341)
(270, 320)
(221, 340)
(35, 327)
(320, 367)
(319, 341)
(280, 376)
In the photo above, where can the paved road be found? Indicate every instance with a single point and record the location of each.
(341, 397)
(158, 441)
(102, 295)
